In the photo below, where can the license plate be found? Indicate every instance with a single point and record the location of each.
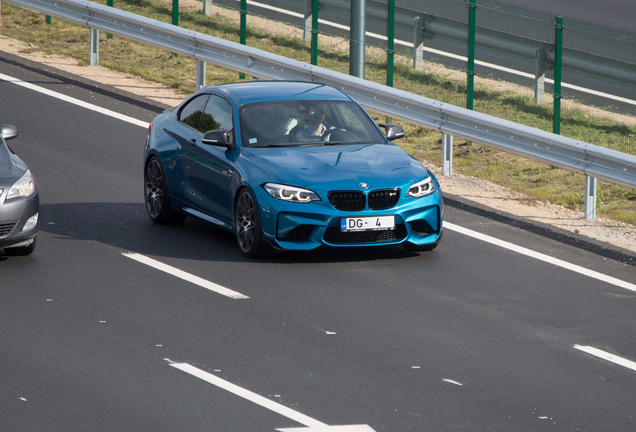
(368, 223)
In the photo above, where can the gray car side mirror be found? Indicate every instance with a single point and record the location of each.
(8, 132)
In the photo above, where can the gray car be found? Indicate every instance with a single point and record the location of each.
(19, 201)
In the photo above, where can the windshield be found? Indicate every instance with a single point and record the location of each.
(306, 122)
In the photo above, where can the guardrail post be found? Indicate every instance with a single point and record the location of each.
(590, 197)
(200, 74)
(558, 64)
(358, 35)
(308, 18)
(207, 7)
(447, 155)
(539, 76)
(418, 42)
(94, 47)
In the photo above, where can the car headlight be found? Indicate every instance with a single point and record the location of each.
(30, 223)
(291, 193)
(25, 187)
(422, 188)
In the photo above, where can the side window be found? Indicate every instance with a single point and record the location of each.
(192, 112)
(217, 115)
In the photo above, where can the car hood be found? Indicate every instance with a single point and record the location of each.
(379, 165)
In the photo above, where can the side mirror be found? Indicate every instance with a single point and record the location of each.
(393, 131)
(220, 138)
(8, 132)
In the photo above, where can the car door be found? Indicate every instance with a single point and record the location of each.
(184, 132)
(207, 169)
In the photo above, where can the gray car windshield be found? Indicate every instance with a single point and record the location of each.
(306, 122)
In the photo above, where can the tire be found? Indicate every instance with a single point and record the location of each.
(248, 225)
(156, 195)
(21, 251)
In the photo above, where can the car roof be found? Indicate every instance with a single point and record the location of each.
(260, 91)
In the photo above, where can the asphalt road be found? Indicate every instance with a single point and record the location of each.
(472, 336)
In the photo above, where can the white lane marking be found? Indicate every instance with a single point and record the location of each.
(339, 428)
(607, 356)
(541, 257)
(185, 276)
(453, 382)
(251, 396)
(74, 101)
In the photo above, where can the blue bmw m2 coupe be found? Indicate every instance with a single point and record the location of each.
(288, 166)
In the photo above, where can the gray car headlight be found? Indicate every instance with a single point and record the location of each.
(422, 188)
(30, 223)
(25, 187)
(291, 193)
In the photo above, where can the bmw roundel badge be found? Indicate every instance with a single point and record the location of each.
(364, 185)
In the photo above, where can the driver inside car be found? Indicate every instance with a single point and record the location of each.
(313, 123)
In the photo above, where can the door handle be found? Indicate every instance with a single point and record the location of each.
(193, 141)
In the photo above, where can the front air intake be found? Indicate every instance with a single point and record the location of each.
(6, 229)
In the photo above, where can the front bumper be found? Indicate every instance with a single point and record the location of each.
(296, 226)
(13, 216)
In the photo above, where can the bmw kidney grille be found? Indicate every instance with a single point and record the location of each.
(380, 199)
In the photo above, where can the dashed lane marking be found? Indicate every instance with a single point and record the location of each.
(185, 276)
(607, 356)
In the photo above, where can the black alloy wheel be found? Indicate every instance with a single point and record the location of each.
(247, 224)
(156, 195)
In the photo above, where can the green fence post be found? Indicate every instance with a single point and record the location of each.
(109, 3)
(558, 65)
(175, 17)
(243, 28)
(314, 33)
(470, 68)
(390, 47)
(175, 12)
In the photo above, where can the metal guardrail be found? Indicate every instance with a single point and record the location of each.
(585, 158)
